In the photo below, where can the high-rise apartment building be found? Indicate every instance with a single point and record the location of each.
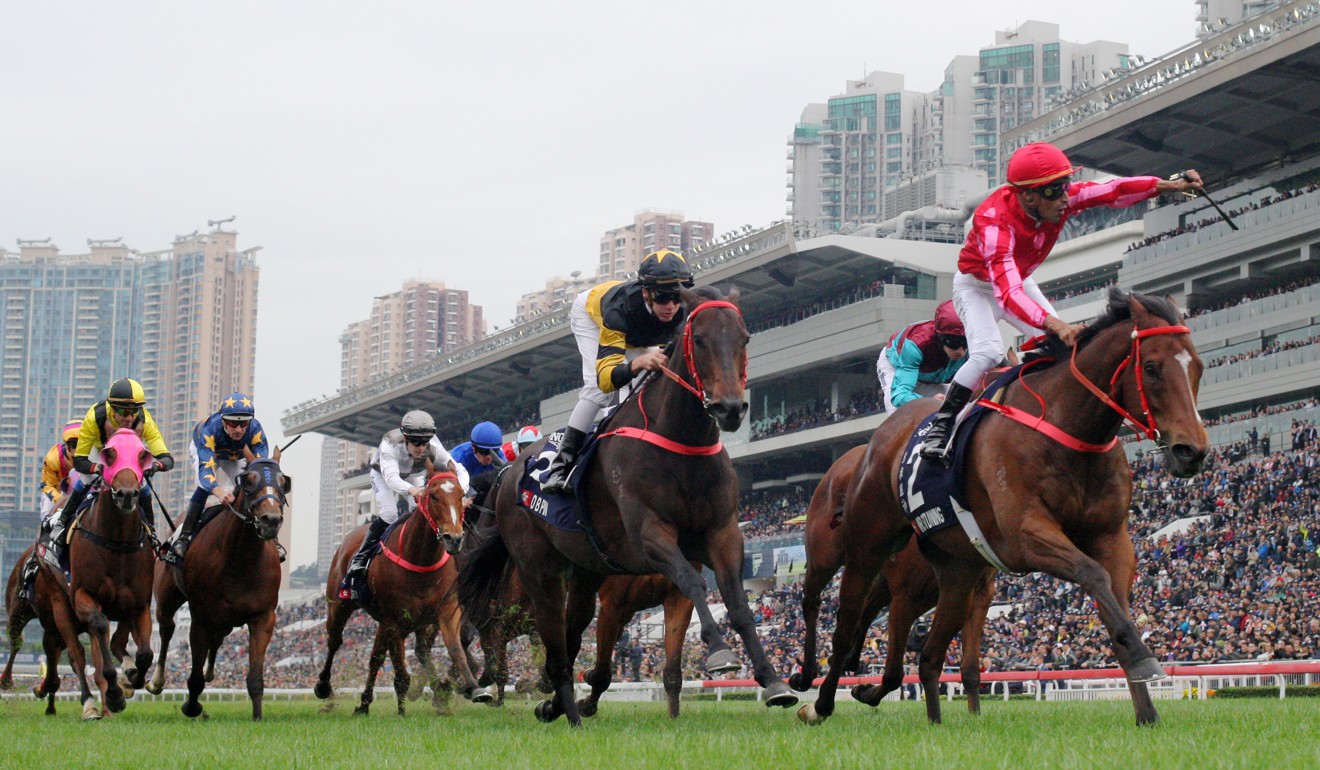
(622, 249)
(405, 328)
(182, 321)
(557, 292)
(845, 154)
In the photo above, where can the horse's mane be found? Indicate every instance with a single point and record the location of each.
(1117, 310)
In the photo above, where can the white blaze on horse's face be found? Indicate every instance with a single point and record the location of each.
(447, 486)
(453, 515)
(1185, 359)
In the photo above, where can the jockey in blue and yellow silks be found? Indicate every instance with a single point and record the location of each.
(219, 449)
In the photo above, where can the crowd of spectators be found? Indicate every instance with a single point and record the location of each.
(1274, 347)
(1190, 227)
(813, 415)
(1203, 308)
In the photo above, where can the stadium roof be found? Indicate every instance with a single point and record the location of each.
(1230, 106)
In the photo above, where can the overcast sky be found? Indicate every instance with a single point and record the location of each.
(488, 146)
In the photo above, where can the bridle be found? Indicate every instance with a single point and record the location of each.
(1037, 423)
(1149, 430)
(424, 505)
(265, 469)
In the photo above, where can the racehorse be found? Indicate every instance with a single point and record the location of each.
(110, 565)
(660, 492)
(412, 588)
(229, 578)
(907, 586)
(621, 597)
(1049, 494)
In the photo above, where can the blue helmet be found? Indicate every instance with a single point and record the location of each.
(236, 407)
(487, 435)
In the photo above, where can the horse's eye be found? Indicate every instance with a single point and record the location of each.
(699, 342)
(1150, 369)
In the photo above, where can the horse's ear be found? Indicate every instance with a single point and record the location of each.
(430, 465)
(733, 295)
(248, 454)
(145, 459)
(1139, 312)
(108, 455)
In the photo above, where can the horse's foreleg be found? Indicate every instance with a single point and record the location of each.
(548, 600)
(210, 659)
(451, 630)
(678, 616)
(1119, 560)
(20, 614)
(167, 604)
(972, 630)
(609, 627)
(663, 553)
(402, 679)
(337, 616)
(379, 649)
(1053, 553)
(141, 630)
(98, 630)
(725, 550)
(198, 642)
(53, 645)
(423, 641)
(813, 585)
(259, 634)
(859, 578)
(119, 648)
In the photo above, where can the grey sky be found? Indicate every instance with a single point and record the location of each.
(488, 146)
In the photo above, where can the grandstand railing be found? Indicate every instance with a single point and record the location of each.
(1302, 204)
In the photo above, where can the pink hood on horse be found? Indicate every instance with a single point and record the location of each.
(128, 453)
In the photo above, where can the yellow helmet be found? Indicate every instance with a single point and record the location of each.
(127, 392)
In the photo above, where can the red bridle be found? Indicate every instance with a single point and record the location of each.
(423, 505)
(425, 509)
(1072, 442)
(1150, 431)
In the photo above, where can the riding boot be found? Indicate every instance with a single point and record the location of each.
(57, 544)
(179, 548)
(556, 481)
(937, 437)
(357, 568)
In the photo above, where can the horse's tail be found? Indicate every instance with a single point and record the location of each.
(483, 579)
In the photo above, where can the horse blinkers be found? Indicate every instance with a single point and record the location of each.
(264, 488)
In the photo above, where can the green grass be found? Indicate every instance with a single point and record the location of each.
(1202, 735)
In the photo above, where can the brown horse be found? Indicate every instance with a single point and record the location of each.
(229, 578)
(907, 586)
(110, 563)
(509, 618)
(1053, 502)
(661, 493)
(412, 591)
(621, 597)
(20, 612)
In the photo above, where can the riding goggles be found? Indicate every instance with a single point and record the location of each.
(232, 423)
(1054, 190)
(665, 297)
(955, 341)
(418, 440)
(125, 411)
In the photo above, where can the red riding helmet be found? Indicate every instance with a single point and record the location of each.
(1037, 164)
(949, 326)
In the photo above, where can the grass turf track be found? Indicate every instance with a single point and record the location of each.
(733, 734)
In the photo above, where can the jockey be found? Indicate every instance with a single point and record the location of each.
(526, 437)
(124, 407)
(919, 360)
(614, 322)
(398, 476)
(1012, 232)
(481, 456)
(217, 455)
(55, 471)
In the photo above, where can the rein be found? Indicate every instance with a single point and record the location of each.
(424, 507)
(689, 361)
(1037, 422)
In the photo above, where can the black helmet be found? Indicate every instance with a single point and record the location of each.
(418, 424)
(126, 392)
(665, 266)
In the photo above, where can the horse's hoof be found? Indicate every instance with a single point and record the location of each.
(545, 711)
(90, 711)
(37, 692)
(866, 693)
(155, 688)
(6, 683)
(322, 690)
(115, 704)
(779, 694)
(362, 711)
(808, 716)
(587, 707)
(800, 681)
(191, 710)
(483, 695)
(401, 712)
(129, 691)
(722, 661)
(1146, 670)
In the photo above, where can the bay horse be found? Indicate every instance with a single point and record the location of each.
(660, 492)
(230, 577)
(412, 584)
(907, 586)
(110, 563)
(1049, 494)
(621, 597)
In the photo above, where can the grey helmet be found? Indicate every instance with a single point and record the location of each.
(418, 424)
